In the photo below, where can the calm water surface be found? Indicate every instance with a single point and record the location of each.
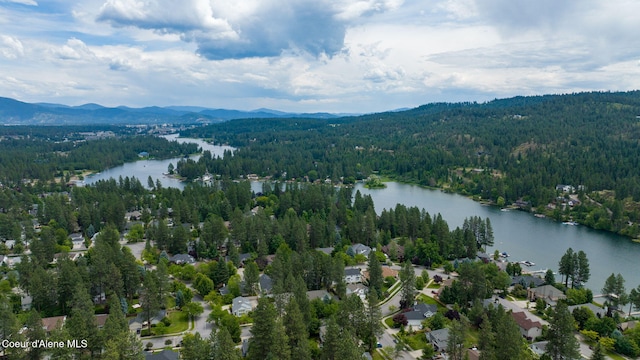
(520, 234)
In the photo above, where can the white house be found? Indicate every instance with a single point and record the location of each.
(241, 305)
(359, 290)
(352, 275)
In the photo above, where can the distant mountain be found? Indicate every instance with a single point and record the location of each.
(14, 112)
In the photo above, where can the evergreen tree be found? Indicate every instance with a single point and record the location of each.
(583, 273)
(339, 343)
(408, 285)
(566, 267)
(375, 274)
(510, 344)
(562, 343)
(262, 330)
(373, 322)
(127, 347)
(549, 278)
(81, 323)
(251, 278)
(457, 334)
(149, 301)
(597, 354)
(487, 340)
(194, 347)
(222, 347)
(296, 331)
(279, 348)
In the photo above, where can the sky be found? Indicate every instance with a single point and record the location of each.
(339, 56)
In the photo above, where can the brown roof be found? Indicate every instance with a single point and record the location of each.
(386, 271)
(101, 319)
(51, 323)
(524, 322)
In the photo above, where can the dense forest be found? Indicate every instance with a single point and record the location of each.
(504, 151)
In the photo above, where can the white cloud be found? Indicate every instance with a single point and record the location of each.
(23, 2)
(11, 47)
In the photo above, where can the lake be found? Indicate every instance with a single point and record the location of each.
(520, 234)
(142, 169)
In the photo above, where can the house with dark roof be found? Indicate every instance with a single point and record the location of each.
(549, 293)
(439, 339)
(165, 354)
(182, 259)
(527, 280)
(418, 313)
(598, 311)
(266, 284)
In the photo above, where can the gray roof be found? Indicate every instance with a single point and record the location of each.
(163, 355)
(327, 250)
(265, 283)
(360, 249)
(351, 271)
(596, 309)
(439, 338)
(182, 259)
(527, 279)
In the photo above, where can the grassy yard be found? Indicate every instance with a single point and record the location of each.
(416, 341)
(179, 322)
(430, 301)
(433, 286)
(389, 322)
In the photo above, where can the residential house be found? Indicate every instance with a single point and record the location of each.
(529, 328)
(165, 354)
(359, 290)
(265, 283)
(598, 311)
(182, 259)
(565, 188)
(352, 275)
(136, 324)
(418, 313)
(439, 339)
(327, 250)
(133, 215)
(539, 348)
(101, 319)
(359, 249)
(51, 323)
(549, 293)
(319, 294)
(12, 261)
(241, 305)
(527, 280)
(399, 251)
(3, 260)
(10, 244)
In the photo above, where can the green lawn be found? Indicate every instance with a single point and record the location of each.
(179, 322)
(433, 286)
(430, 301)
(417, 341)
(389, 322)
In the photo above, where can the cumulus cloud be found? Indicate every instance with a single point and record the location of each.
(10, 47)
(74, 49)
(252, 28)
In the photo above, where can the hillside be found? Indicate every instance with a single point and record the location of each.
(14, 112)
(503, 151)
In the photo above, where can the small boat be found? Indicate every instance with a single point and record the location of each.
(570, 223)
(504, 254)
(528, 263)
(542, 216)
(504, 209)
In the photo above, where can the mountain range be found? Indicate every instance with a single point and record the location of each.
(14, 112)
